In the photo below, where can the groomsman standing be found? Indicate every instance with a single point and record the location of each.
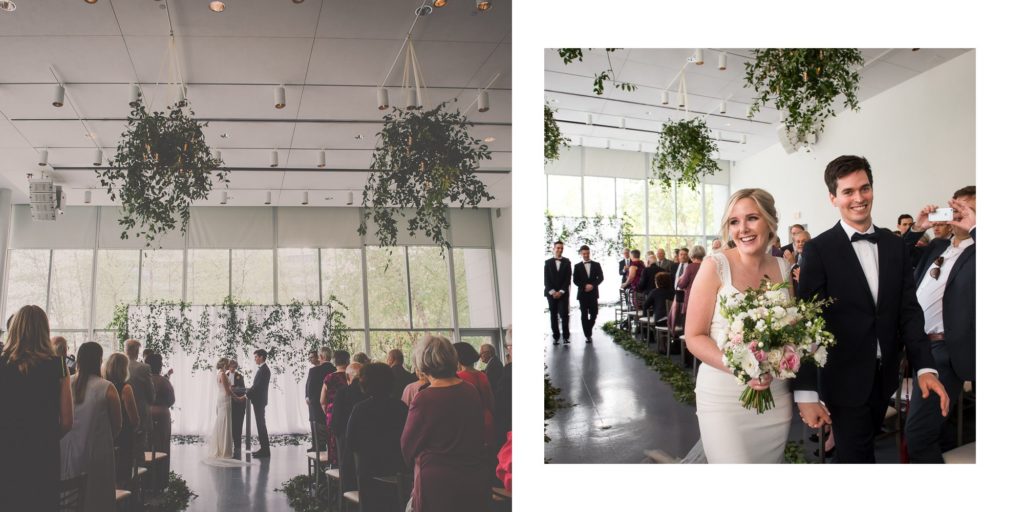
(557, 279)
(587, 276)
(945, 279)
(875, 316)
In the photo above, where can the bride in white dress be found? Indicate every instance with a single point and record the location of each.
(729, 432)
(220, 440)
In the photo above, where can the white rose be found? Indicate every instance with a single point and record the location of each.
(736, 326)
(760, 326)
(750, 365)
(821, 356)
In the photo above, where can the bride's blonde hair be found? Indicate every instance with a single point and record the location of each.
(222, 363)
(765, 204)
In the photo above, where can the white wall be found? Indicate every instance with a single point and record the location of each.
(502, 228)
(918, 136)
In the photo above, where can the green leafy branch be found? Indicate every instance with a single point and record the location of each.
(684, 155)
(570, 55)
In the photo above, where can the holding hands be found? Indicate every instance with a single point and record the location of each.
(814, 414)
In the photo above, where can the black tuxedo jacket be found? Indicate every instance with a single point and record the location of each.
(238, 384)
(559, 279)
(315, 384)
(624, 269)
(831, 269)
(580, 279)
(258, 392)
(958, 304)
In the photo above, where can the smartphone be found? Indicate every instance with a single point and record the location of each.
(941, 215)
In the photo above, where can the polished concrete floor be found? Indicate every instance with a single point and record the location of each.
(248, 488)
(620, 407)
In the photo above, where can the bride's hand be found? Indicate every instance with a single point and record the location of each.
(761, 383)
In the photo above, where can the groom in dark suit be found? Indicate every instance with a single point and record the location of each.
(557, 278)
(257, 394)
(945, 278)
(587, 276)
(867, 271)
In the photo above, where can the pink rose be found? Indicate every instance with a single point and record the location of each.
(790, 361)
(752, 346)
(760, 355)
(737, 338)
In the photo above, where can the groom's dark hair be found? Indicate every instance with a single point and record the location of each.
(262, 353)
(843, 166)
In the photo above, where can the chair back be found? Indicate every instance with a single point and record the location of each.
(72, 493)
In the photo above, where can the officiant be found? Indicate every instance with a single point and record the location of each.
(238, 407)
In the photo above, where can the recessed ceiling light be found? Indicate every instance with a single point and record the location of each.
(489, 138)
(424, 10)
(329, 198)
(358, 136)
(297, 1)
(279, 97)
(224, 135)
(90, 1)
(483, 5)
(217, 6)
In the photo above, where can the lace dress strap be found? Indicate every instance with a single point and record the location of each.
(783, 269)
(722, 264)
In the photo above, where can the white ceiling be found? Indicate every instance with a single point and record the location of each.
(330, 56)
(569, 90)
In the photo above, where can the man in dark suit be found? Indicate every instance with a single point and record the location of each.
(624, 265)
(403, 377)
(945, 280)
(587, 276)
(257, 394)
(140, 377)
(793, 230)
(867, 271)
(493, 367)
(314, 385)
(237, 383)
(557, 279)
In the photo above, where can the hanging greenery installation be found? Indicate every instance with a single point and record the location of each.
(570, 55)
(161, 168)
(425, 160)
(553, 140)
(684, 155)
(804, 83)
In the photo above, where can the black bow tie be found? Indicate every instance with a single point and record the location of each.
(870, 237)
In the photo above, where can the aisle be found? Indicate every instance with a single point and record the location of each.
(238, 489)
(622, 407)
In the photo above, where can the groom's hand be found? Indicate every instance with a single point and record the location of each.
(814, 414)
(928, 382)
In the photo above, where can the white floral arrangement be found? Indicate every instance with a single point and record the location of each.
(771, 333)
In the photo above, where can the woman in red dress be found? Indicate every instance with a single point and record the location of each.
(333, 382)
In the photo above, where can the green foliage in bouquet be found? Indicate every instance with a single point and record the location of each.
(162, 166)
(804, 83)
(553, 140)
(570, 55)
(425, 160)
(681, 382)
(684, 154)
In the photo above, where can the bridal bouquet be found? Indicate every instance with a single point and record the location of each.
(769, 332)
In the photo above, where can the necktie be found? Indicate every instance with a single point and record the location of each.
(870, 237)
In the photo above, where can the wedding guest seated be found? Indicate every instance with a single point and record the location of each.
(402, 377)
(89, 447)
(332, 383)
(413, 388)
(503, 393)
(374, 435)
(116, 371)
(650, 270)
(60, 346)
(347, 398)
(361, 358)
(634, 271)
(467, 357)
(684, 284)
(160, 412)
(35, 411)
(443, 436)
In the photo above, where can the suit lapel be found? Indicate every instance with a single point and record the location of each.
(967, 254)
(849, 259)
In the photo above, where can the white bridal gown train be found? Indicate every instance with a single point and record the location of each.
(729, 433)
(220, 441)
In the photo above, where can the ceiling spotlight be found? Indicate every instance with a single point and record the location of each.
(268, 192)
(721, 107)
(182, 93)
(88, 197)
(58, 96)
(682, 100)
(622, 123)
(7, 5)
(440, 3)
(483, 102)
(698, 57)
(90, 1)
(305, 198)
(98, 158)
(664, 97)
(914, 49)
(750, 112)
(349, 201)
(743, 139)
(224, 197)
(136, 93)
(483, 5)
(273, 158)
(322, 159)
(217, 6)
(279, 97)
(44, 157)
(721, 61)
(489, 139)
(590, 119)
(382, 99)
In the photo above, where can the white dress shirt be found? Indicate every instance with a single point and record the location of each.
(586, 266)
(679, 273)
(930, 293)
(558, 266)
(867, 255)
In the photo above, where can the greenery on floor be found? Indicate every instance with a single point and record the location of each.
(552, 403)
(275, 440)
(794, 453)
(297, 491)
(175, 498)
(678, 378)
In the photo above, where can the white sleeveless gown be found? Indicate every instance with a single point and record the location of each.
(730, 433)
(221, 443)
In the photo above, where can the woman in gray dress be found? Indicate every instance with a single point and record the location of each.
(89, 447)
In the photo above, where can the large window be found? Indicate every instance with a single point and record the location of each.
(161, 275)
(388, 287)
(428, 283)
(298, 275)
(70, 284)
(208, 276)
(252, 276)
(27, 276)
(564, 196)
(474, 277)
(343, 278)
(117, 281)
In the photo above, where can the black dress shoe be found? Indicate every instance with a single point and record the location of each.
(566, 340)
(556, 342)
(261, 454)
(590, 340)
